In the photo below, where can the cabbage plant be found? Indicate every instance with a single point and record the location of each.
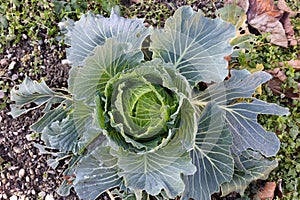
(145, 126)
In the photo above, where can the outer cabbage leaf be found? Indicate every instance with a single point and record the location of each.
(108, 60)
(51, 116)
(196, 45)
(95, 173)
(249, 166)
(237, 16)
(33, 92)
(93, 30)
(211, 155)
(156, 171)
(61, 135)
(241, 118)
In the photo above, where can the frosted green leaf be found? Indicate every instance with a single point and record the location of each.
(157, 170)
(93, 30)
(211, 156)
(196, 45)
(249, 166)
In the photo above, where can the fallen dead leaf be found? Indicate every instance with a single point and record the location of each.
(266, 17)
(268, 191)
(294, 63)
(276, 82)
(285, 20)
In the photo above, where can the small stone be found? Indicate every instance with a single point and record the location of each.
(49, 197)
(21, 173)
(65, 61)
(27, 179)
(24, 36)
(14, 77)
(3, 62)
(12, 65)
(29, 137)
(41, 194)
(9, 56)
(33, 192)
(15, 133)
(13, 197)
(4, 196)
(17, 149)
(1, 94)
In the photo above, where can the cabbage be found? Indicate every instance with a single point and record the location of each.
(145, 127)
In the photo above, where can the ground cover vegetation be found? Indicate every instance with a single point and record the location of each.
(41, 34)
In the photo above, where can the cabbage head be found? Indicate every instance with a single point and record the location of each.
(145, 126)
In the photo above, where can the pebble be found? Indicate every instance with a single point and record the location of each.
(17, 149)
(1, 94)
(9, 56)
(4, 196)
(14, 77)
(21, 173)
(65, 61)
(41, 194)
(14, 197)
(29, 137)
(49, 197)
(24, 36)
(3, 62)
(12, 65)
(27, 179)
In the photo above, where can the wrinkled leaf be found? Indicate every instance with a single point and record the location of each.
(268, 191)
(96, 173)
(211, 156)
(108, 60)
(265, 16)
(93, 30)
(249, 166)
(288, 27)
(241, 118)
(51, 116)
(195, 45)
(157, 170)
(32, 92)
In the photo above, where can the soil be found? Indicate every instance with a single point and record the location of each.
(24, 172)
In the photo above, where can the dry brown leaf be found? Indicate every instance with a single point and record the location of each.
(268, 191)
(275, 84)
(288, 27)
(294, 63)
(282, 5)
(264, 15)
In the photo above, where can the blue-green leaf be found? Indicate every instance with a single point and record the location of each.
(32, 92)
(241, 118)
(156, 171)
(211, 155)
(61, 135)
(51, 116)
(93, 30)
(249, 166)
(96, 173)
(108, 60)
(196, 45)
